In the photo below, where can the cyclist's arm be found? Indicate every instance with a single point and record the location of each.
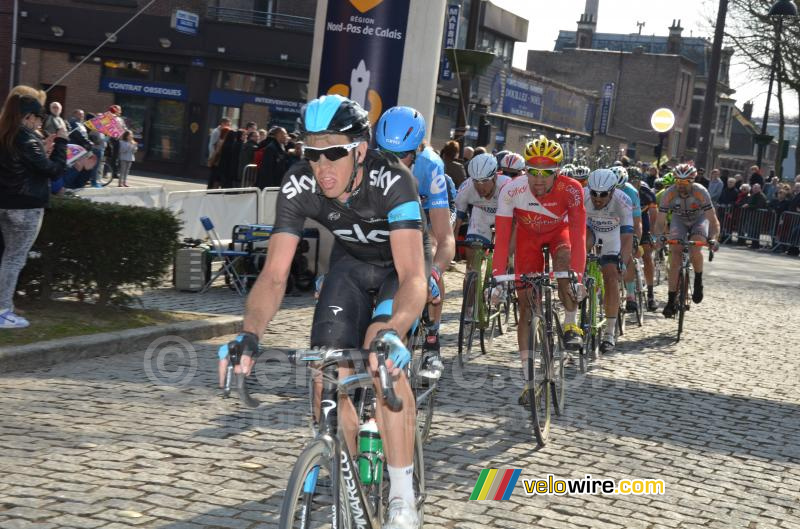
(713, 224)
(412, 292)
(637, 227)
(626, 231)
(445, 242)
(267, 294)
(459, 222)
(502, 239)
(577, 231)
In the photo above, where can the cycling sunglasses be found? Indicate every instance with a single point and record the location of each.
(332, 153)
(511, 172)
(540, 172)
(599, 194)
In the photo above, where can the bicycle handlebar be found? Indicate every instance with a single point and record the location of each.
(696, 244)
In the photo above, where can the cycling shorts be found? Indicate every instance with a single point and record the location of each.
(528, 255)
(610, 245)
(679, 229)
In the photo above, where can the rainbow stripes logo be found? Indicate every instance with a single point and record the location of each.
(494, 484)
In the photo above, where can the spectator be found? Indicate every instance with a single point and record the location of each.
(127, 149)
(246, 153)
(453, 168)
(795, 207)
(782, 201)
(215, 177)
(479, 150)
(229, 158)
(294, 150)
(54, 121)
(715, 186)
(214, 137)
(739, 180)
(275, 162)
(25, 173)
(469, 152)
(652, 175)
(701, 178)
(729, 194)
(743, 196)
(797, 179)
(262, 135)
(755, 176)
(771, 188)
(757, 198)
(113, 143)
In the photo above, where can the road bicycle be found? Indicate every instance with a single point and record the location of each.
(424, 388)
(477, 313)
(328, 486)
(641, 286)
(592, 310)
(684, 290)
(660, 259)
(546, 355)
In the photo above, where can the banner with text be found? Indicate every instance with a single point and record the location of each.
(605, 107)
(523, 98)
(362, 55)
(450, 38)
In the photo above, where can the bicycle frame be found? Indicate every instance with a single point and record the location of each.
(480, 256)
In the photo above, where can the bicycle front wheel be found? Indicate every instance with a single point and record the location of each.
(539, 397)
(309, 501)
(683, 287)
(640, 286)
(494, 329)
(558, 359)
(424, 395)
(469, 316)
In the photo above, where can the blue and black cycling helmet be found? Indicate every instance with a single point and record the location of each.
(400, 129)
(334, 114)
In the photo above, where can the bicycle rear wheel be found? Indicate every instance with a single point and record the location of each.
(639, 294)
(558, 360)
(539, 397)
(469, 316)
(308, 502)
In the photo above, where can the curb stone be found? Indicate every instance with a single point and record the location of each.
(50, 352)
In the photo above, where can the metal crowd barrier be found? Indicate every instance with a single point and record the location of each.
(787, 231)
(756, 225)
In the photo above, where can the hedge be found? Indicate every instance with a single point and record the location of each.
(97, 250)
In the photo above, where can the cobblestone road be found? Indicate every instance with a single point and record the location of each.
(143, 440)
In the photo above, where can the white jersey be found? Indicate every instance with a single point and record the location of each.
(483, 209)
(609, 222)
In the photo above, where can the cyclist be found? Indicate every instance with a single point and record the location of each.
(512, 165)
(547, 209)
(369, 202)
(693, 215)
(480, 190)
(401, 131)
(581, 174)
(630, 271)
(647, 198)
(609, 220)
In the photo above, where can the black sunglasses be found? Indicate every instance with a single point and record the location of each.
(333, 153)
(599, 194)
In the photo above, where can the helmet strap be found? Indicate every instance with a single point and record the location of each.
(356, 166)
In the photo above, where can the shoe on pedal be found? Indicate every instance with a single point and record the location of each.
(401, 515)
(432, 367)
(631, 306)
(573, 336)
(651, 304)
(9, 320)
(697, 294)
(432, 342)
(607, 345)
(669, 310)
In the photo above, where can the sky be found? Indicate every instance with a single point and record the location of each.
(547, 17)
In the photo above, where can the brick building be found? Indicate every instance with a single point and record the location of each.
(246, 59)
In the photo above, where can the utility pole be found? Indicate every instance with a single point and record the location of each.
(465, 90)
(641, 25)
(710, 102)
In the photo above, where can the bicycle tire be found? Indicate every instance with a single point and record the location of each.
(539, 396)
(639, 295)
(424, 394)
(682, 287)
(558, 357)
(621, 312)
(418, 481)
(297, 508)
(494, 329)
(586, 327)
(466, 329)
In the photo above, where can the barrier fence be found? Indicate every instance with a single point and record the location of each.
(763, 227)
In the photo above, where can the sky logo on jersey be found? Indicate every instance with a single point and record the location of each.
(383, 178)
(295, 186)
(358, 235)
(495, 484)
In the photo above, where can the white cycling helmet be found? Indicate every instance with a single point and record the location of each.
(684, 171)
(568, 170)
(581, 172)
(482, 167)
(602, 180)
(622, 175)
(513, 162)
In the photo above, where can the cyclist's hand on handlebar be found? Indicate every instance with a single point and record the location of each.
(713, 245)
(399, 354)
(240, 351)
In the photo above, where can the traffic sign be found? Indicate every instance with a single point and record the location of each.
(662, 120)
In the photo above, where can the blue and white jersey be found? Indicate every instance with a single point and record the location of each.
(484, 209)
(633, 194)
(429, 172)
(608, 223)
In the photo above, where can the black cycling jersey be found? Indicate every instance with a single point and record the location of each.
(648, 199)
(387, 199)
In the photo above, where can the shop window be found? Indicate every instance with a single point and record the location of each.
(134, 113)
(171, 73)
(127, 69)
(166, 130)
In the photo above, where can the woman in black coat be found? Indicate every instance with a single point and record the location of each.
(25, 173)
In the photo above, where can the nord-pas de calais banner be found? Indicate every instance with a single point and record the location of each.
(362, 55)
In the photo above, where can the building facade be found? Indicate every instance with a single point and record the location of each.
(175, 70)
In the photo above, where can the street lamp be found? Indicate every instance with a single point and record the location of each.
(780, 9)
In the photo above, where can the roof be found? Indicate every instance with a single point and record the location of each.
(693, 48)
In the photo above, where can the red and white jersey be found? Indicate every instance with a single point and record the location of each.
(560, 208)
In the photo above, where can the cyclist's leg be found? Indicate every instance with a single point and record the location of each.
(341, 318)
(561, 251)
(677, 230)
(699, 232)
(398, 427)
(610, 266)
(527, 260)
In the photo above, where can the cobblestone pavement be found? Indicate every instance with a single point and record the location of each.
(144, 440)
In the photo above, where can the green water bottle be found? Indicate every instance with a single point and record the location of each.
(370, 459)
